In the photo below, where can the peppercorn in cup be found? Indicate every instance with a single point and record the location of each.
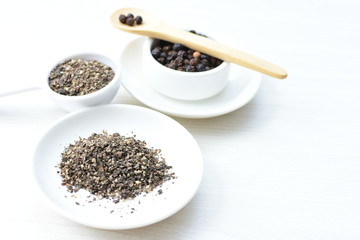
(182, 73)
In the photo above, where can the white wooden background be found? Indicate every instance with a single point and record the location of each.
(285, 166)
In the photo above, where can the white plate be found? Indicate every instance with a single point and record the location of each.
(242, 87)
(178, 147)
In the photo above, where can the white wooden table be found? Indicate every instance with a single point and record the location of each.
(285, 166)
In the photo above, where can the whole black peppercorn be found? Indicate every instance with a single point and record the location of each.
(194, 61)
(189, 68)
(204, 56)
(122, 18)
(156, 52)
(179, 61)
(181, 53)
(200, 67)
(138, 19)
(172, 65)
(172, 54)
(204, 61)
(161, 60)
(130, 21)
(178, 47)
(166, 48)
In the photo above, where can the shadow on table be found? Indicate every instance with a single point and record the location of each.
(254, 115)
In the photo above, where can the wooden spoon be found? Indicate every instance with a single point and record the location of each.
(155, 28)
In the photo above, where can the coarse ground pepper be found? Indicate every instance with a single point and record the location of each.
(77, 77)
(113, 166)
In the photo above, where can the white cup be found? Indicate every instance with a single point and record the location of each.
(182, 85)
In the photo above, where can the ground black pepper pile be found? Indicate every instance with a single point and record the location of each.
(113, 166)
(77, 77)
(178, 57)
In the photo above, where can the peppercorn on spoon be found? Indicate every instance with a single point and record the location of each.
(153, 27)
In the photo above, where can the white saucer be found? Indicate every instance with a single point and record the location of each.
(177, 145)
(242, 87)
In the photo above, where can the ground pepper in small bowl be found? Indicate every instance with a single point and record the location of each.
(113, 166)
(77, 77)
(83, 80)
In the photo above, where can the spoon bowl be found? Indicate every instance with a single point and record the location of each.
(155, 28)
(146, 28)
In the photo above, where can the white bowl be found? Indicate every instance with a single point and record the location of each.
(99, 97)
(158, 130)
(182, 85)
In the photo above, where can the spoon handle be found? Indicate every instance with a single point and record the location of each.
(219, 50)
(18, 91)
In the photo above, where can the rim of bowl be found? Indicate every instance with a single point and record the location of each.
(87, 56)
(148, 43)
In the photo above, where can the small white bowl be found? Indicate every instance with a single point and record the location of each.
(99, 97)
(182, 85)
